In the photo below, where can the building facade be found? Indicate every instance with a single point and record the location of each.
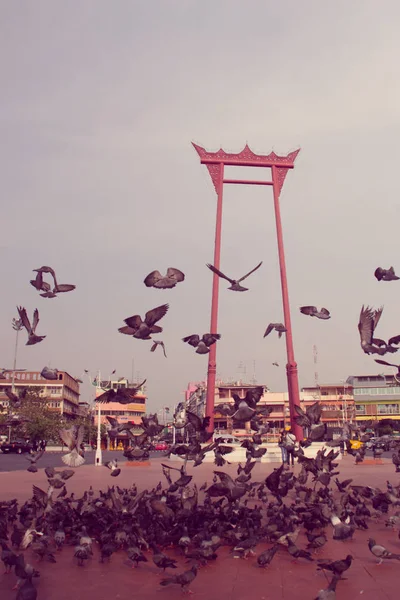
(337, 402)
(62, 395)
(376, 397)
(196, 398)
(124, 413)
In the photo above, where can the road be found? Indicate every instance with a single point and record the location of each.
(17, 462)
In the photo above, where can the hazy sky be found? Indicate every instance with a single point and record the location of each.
(99, 104)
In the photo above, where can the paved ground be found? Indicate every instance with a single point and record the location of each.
(227, 578)
(17, 462)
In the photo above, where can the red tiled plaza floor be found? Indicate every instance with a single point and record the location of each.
(227, 578)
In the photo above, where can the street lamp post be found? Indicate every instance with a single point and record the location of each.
(99, 455)
(17, 326)
(173, 427)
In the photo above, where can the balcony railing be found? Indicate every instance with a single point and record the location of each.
(388, 410)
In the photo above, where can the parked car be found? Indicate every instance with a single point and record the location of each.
(228, 439)
(161, 446)
(17, 446)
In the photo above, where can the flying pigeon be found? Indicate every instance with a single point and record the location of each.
(142, 330)
(113, 466)
(32, 337)
(33, 460)
(235, 283)
(14, 399)
(51, 374)
(158, 343)
(313, 311)
(163, 282)
(73, 438)
(117, 427)
(39, 284)
(121, 395)
(202, 345)
(383, 362)
(58, 289)
(369, 319)
(385, 274)
(279, 327)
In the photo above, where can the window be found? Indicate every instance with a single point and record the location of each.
(375, 391)
(360, 409)
(54, 391)
(388, 409)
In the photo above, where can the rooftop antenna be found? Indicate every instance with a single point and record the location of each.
(315, 353)
(254, 380)
(242, 370)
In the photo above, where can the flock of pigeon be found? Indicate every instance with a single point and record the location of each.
(238, 513)
(143, 329)
(177, 523)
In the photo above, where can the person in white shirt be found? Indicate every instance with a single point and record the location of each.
(290, 443)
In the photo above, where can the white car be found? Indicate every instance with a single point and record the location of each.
(228, 439)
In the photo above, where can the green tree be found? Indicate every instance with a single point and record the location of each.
(39, 421)
(90, 434)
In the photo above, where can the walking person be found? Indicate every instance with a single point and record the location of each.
(290, 444)
(281, 444)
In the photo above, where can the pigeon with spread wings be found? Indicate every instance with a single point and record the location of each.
(14, 399)
(142, 330)
(279, 327)
(202, 345)
(31, 329)
(313, 311)
(200, 426)
(245, 409)
(310, 419)
(151, 425)
(383, 362)
(39, 284)
(73, 439)
(163, 282)
(369, 319)
(58, 289)
(158, 343)
(33, 460)
(235, 283)
(117, 427)
(121, 395)
(311, 416)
